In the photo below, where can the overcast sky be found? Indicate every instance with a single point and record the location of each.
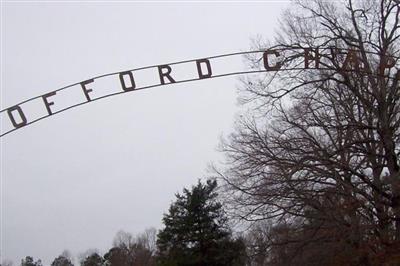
(73, 180)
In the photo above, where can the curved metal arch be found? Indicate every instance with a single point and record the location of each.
(266, 69)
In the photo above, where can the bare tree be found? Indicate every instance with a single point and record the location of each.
(322, 141)
(148, 239)
(130, 250)
(123, 239)
(258, 244)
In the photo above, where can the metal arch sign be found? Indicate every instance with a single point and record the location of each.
(20, 115)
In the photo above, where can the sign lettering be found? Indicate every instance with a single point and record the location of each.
(334, 59)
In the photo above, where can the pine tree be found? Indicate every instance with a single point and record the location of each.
(93, 259)
(29, 261)
(196, 231)
(62, 261)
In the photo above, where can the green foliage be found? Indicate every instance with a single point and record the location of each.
(62, 261)
(93, 260)
(28, 261)
(196, 231)
(117, 256)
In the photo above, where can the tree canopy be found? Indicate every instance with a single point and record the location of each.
(62, 260)
(29, 261)
(93, 259)
(318, 153)
(196, 231)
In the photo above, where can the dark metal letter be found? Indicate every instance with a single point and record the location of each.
(334, 53)
(308, 57)
(85, 89)
(277, 66)
(47, 103)
(21, 115)
(167, 74)
(200, 72)
(352, 61)
(387, 62)
(121, 79)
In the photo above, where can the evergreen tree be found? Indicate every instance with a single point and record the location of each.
(62, 261)
(93, 259)
(118, 256)
(29, 261)
(196, 231)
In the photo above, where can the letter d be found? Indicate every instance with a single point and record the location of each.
(200, 72)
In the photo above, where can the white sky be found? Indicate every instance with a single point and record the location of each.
(73, 180)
